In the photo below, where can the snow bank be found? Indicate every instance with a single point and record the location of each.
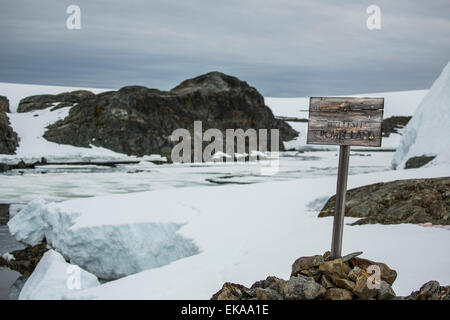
(53, 278)
(243, 233)
(107, 246)
(427, 133)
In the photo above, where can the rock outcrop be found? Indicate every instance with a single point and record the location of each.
(319, 277)
(393, 124)
(403, 201)
(417, 162)
(431, 290)
(56, 101)
(4, 104)
(25, 260)
(137, 120)
(8, 138)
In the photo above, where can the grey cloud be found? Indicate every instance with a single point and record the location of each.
(283, 48)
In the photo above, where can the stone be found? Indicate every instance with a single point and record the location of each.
(326, 282)
(231, 291)
(138, 121)
(302, 288)
(270, 282)
(385, 292)
(403, 201)
(387, 274)
(4, 167)
(335, 267)
(343, 283)
(267, 294)
(327, 256)
(338, 294)
(431, 290)
(354, 273)
(304, 263)
(4, 104)
(361, 289)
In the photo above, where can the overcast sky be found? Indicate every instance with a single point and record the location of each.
(281, 47)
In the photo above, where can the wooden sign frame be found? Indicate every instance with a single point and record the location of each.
(344, 121)
(350, 121)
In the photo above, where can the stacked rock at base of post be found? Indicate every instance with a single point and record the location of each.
(320, 277)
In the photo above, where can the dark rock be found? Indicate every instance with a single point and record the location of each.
(302, 288)
(272, 283)
(362, 290)
(4, 104)
(21, 165)
(4, 167)
(338, 294)
(25, 260)
(232, 291)
(318, 279)
(4, 213)
(267, 294)
(385, 292)
(57, 101)
(392, 124)
(403, 201)
(417, 162)
(8, 138)
(335, 268)
(137, 120)
(343, 283)
(304, 263)
(387, 274)
(431, 290)
(326, 282)
(354, 273)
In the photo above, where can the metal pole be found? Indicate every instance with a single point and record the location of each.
(339, 212)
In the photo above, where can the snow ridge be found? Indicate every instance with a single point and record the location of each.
(427, 132)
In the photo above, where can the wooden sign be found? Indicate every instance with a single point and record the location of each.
(345, 121)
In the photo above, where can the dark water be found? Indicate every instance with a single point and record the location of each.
(8, 278)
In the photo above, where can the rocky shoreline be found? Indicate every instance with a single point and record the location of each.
(403, 201)
(320, 277)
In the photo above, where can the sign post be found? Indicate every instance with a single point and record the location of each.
(344, 121)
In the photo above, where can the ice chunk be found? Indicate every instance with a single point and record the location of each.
(53, 278)
(427, 132)
(107, 245)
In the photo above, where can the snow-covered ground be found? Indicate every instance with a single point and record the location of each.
(243, 234)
